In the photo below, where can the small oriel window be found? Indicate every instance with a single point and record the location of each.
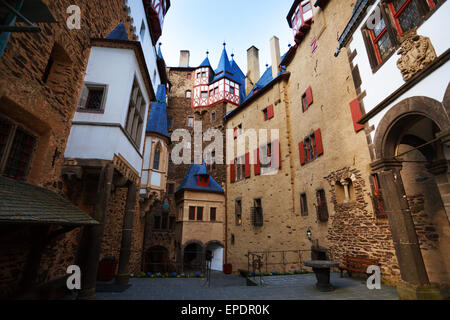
(92, 98)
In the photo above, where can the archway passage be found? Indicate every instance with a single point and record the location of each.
(193, 258)
(216, 250)
(157, 260)
(411, 145)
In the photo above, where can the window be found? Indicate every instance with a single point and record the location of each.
(189, 76)
(191, 213)
(156, 158)
(268, 113)
(204, 94)
(322, 209)
(203, 180)
(266, 155)
(188, 94)
(157, 222)
(231, 90)
(257, 213)
(240, 168)
(92, 98)
(216, 90)
(303, 205)
(307, 99)
(16, 149)
(136, 114)
(314, 45)
(199, 213)
(191, 122)
(203, 74)
(212, 214)
(398, 17)
(237, 131)
(238, 211)
(211, 92)
(57, 66)
(199, 75)
(142, 32)
(163, 222)
(311, 148)
(213, 116)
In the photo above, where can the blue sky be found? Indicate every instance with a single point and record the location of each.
(201, 25)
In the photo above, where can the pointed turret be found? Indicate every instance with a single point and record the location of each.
(224, 67)
(157, 121)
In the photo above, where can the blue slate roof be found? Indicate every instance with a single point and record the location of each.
(265, 79)
(224, 68)
(119, 33)
(157, 121)
(205, 63)
(159, 53)
(240, 78)
(190, 181)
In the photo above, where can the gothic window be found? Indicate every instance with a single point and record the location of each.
(156, 158)
(238, 211)
(136, 114)
(16, 150)
(303, 205)
(92, 98)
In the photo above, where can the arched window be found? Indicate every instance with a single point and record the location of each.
(156, 158)
(188, 94)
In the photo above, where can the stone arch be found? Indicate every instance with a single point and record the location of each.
(215, 248)
(193, 252)
(414, 108)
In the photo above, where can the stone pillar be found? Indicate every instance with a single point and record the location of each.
(91, 241)
(415, 283)
(123, 274)
(345, 184)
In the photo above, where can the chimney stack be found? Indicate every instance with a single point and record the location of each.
(276, 56)
(253, 73)
(184, 58)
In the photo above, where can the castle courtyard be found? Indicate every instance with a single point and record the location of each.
(233, 287)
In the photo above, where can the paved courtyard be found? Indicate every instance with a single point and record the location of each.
(233, 287)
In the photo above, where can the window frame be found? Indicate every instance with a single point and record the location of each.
(213, 214)
(238, 214)
(199, 214)
(192, 213)
(138, 112)
(303, 204)
(9, 144)
(83, 99)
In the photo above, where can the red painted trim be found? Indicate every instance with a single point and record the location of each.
(248, 172)
(301, 150)
(356, 115)
(319, 145)
(257, 165)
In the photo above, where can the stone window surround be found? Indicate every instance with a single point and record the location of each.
(92, 85)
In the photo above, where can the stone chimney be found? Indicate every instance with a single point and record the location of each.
(276, 56)
(253, 73)
(184, 58)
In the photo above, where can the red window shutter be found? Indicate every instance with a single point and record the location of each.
(232, 173)
(309, 96)
(270, 112)
(257, 164)
(301, 150)
(248, 172)
(319, 145)
(276, 154)
(235, 132)
(356, 115)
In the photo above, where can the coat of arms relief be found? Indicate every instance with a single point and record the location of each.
(416, 53)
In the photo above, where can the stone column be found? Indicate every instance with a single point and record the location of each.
(91, 241)
(415, 283)
(123, 275)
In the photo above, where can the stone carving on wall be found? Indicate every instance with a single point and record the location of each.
(416, 53)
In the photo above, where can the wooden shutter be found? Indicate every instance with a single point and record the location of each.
(83, 97)
(235, 132)
(356, 115)
(301, 150)
(232, 173)
(270, 112)
(309, 96)
(276, 154)
(257, 164)
(248, 172)
(319, 145)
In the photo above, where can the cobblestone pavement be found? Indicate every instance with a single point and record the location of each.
(233, 287)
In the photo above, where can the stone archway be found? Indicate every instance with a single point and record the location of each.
(157, 260)
(193, 256)
(410, 146)
(216, 250)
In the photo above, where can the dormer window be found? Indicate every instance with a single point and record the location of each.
(203, 180)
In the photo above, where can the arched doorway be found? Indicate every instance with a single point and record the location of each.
(157, 260)
(216, 250)
(193, 257)
(410, 144)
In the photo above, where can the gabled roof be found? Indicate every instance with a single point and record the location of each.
(157, 121)
(25, 203)
(190, 181)
(119, 33)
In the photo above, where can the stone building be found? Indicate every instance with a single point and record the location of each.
(318, 192)
(42, 80)
(399, 60)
